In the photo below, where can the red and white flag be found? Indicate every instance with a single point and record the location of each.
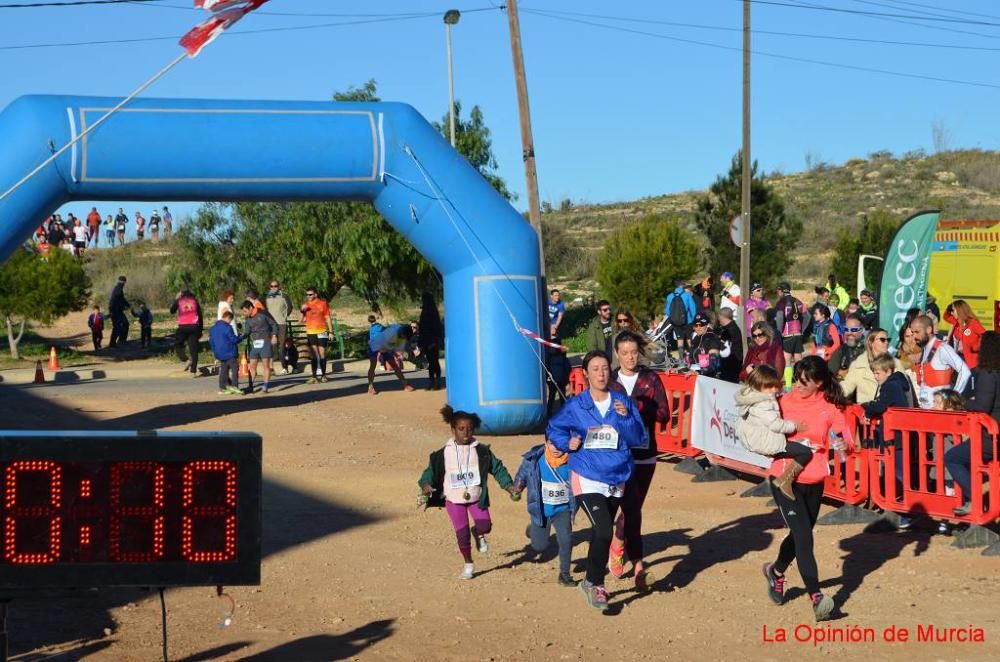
(224, 14)
(539, 339)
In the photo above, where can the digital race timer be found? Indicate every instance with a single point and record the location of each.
(91, 509)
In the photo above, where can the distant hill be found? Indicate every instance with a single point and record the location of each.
(964, 184)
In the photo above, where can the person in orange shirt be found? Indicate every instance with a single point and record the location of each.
(966, 331)
(94, 227)
(316, 316)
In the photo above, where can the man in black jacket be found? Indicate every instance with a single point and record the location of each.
(117, 307)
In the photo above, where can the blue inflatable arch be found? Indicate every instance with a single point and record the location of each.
(187, 149)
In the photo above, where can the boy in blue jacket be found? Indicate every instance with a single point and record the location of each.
(225, 346)
(544, 473)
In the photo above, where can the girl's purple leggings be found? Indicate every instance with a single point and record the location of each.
(459, 514)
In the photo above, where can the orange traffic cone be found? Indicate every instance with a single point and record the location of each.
(53, 359)
(39, 374)
(244, 367)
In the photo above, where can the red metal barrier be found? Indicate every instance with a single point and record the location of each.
(577, 381)
(848, 481)
(926, 436)
(674, 436)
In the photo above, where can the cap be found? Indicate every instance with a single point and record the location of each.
(756, 286)
(700, 319)
(783, 286)
(726, 274)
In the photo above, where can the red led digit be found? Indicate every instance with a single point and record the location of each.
(208, 530)
(84, 536)
(137, 518)
(85, 488)
(32, 527)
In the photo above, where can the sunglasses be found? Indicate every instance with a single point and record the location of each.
(759, 335)
(622, 320)
(854, 329)
(605, 310)
(274, 286)
(880, 339)
(310, 294)
(697, 324)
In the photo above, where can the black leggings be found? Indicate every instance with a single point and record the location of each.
(800, 517)
(799, 453)
(187, 336)
(601, 511)
(433, 362)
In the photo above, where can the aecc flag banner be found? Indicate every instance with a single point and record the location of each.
(906, 270)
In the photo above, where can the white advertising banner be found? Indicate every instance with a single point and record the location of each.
(713, 422)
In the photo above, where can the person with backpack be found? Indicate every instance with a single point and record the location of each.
(189, 328)
(757, 301)
(790, 318)
(680, 309)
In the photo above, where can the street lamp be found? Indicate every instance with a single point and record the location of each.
(451, 18)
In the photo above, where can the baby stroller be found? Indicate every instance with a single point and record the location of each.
(661, 342)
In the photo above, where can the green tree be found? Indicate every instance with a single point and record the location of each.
(474, 141)
(775, 231)
(641, 261)
(562, 253)
(40, 289)
(872, 238)
(328, 245)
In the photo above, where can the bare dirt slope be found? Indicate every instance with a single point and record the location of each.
(353, 570)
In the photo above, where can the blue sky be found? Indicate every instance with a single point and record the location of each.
(617, 114)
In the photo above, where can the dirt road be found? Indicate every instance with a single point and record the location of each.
(353, 569)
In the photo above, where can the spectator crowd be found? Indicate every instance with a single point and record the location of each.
(76, 235)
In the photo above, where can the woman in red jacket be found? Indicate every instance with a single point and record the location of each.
(647, 392)
(816, 398)
(966, 331)
(764, 349)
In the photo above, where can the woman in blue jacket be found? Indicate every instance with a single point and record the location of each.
(598, 428)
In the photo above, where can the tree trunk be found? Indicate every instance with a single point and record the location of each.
(11, 340)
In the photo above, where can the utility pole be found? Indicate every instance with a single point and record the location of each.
(745, 198)
(451, 18)
(527, 142)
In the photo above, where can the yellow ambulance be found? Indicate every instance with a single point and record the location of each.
(965, 264)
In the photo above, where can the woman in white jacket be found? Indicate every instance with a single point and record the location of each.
(762, 430)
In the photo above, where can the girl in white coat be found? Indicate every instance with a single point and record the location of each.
(762, 430)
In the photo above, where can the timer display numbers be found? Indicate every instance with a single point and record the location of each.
(91, 509)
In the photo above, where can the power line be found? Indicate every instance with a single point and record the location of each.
(860, 12)
(803, 35)
(944, 9)
(262, 12)
(778, 56)
(73, 3)
(925, 26)
(292, 28)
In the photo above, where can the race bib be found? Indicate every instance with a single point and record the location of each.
(554, 494)
(258, 344)
(323, 336)
(601, 438)
(464, 479)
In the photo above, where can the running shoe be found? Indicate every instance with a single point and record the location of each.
(944, 528)
(372, 391)
(263, 388)
(644, 581)
(467, 571)
(407, 387)
(597, 596)
(775, 584)
(566, 580)
(822, 606)
(964, 509)
(481, 543)
(616, 561)
(323, 379)
(224, 392)
(904, 523)
(312, 380)
(234, 390)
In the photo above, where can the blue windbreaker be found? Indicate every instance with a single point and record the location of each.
(580, 414)
(690, 307)
(223, 341)
(529, 475)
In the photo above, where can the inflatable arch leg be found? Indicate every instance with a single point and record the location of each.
(186, 149)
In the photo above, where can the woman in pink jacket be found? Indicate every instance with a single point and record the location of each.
(816, 398)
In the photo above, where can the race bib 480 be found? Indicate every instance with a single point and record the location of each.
(604, 437)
